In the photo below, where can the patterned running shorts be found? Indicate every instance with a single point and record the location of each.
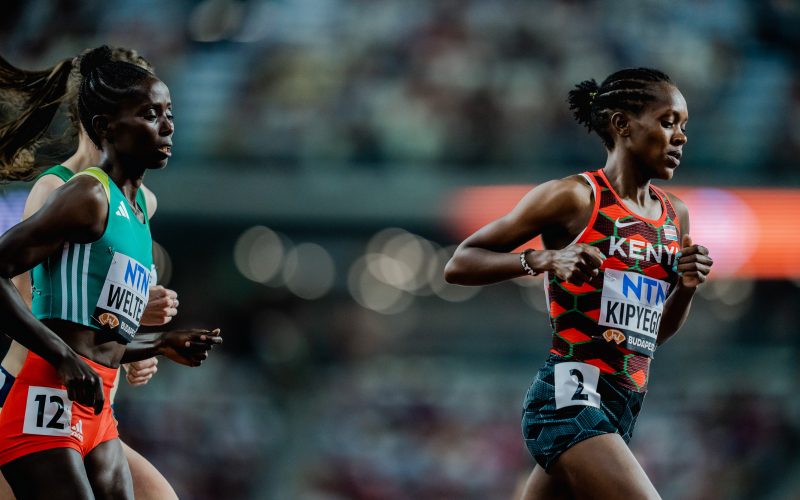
(570, 401)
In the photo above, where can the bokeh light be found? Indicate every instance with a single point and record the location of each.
(373, 293)
(309, 271)
(259, 254)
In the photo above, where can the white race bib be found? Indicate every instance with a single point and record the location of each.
(631, 306)
(48, 412)
(576, 384)
(124, 296)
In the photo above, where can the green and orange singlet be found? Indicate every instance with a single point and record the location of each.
(612, 322)
(104, 284)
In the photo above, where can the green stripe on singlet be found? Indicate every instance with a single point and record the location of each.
(74, 269)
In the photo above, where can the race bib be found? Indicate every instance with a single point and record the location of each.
(631, 306)
(48, 412)
(123, 298)
(576, 384)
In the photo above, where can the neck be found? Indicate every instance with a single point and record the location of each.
(127, 178)
(626, 177)
(87, 155)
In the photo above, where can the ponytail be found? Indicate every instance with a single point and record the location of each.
(40, 93)
(581, 99)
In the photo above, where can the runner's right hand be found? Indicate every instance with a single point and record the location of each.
(162, 306)
(577, 264)
(84, 385)
(140, 372)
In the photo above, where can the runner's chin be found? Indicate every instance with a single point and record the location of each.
(159, 161)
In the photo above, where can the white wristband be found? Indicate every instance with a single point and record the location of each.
(524, 261)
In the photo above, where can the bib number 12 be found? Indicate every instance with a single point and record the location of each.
(48, 412)
(576, 384)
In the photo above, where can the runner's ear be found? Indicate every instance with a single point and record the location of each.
(101, 128)
(620, 124)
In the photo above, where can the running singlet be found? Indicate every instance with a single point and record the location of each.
(104, 284)
(612, 322)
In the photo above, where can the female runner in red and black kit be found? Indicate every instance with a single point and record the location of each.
(620, 273)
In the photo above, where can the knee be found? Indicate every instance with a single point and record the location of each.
(112, 482)
(112, 485)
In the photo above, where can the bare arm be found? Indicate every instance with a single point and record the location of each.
(40, 191)
(71, 214)
(558, 210)
(187, 347)
(74, 213)
(694, 265)
(151, 200)
(22, 326)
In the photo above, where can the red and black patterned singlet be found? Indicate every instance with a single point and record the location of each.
(612, 321)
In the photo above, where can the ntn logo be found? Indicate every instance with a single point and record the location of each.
(137, 276)
(644, 289)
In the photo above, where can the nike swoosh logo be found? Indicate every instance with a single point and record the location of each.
(624, 224)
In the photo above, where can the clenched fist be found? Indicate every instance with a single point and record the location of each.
(162, 306)
(577, 264)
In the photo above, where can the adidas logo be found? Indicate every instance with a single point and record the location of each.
(122, 211)
(77, 430)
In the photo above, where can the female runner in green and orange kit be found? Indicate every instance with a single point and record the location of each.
(620, 273)
(92, 236)
(34, 87)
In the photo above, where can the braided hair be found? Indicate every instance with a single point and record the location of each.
(106, 84)
(30, 101)
(627, 90)
(75, 78)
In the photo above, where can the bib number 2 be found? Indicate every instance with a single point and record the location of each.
(48, 412)
(576, 385)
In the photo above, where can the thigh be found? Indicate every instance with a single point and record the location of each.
(5, 490)
(108, 471)
(55, 474)
(543, 486)
(148, 483)
(603, 467)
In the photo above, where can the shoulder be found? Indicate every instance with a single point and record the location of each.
(681, 210)
(680, 207)
(77, 210)
(41, 190)
(83, 200)
(85, 188)
(151, 200)
(572, 192)
(576, 187)
(557, 202)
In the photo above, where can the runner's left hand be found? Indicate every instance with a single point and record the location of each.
(162, 306)
(189, 347)
(140, 372)
(694, 264)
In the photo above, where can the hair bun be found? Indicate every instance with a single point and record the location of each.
(94, 59)
(581, 100)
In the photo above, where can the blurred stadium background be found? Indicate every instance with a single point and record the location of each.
(329, 154)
